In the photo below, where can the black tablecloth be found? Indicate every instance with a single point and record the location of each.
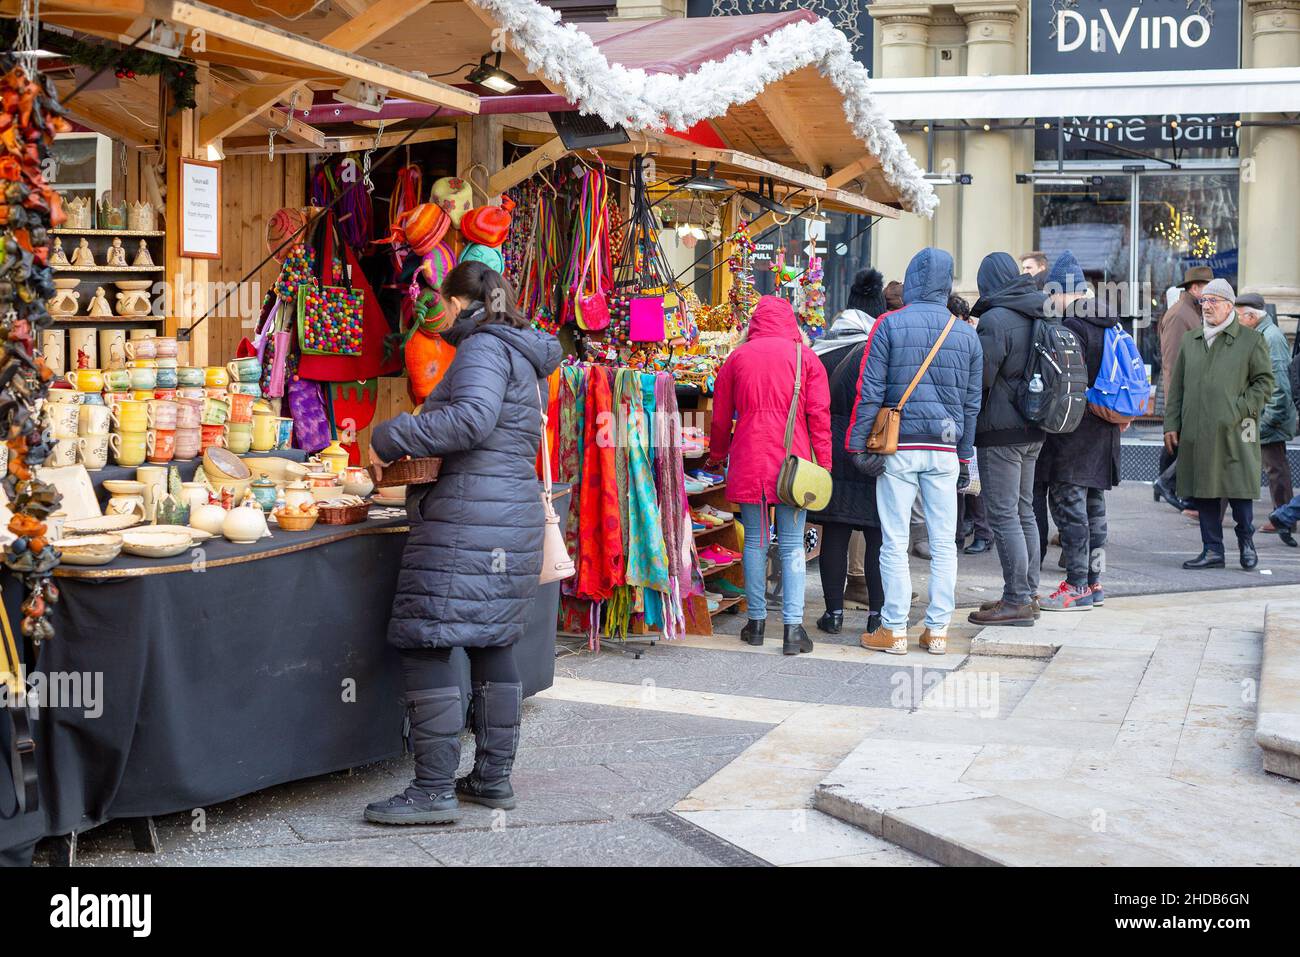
(251, 672)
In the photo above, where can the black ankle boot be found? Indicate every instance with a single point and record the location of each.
(752, 633)
(1249, 557)
(494, 714)
(873, 622)
(435, 718)
(832, 622)
(1207, 559)
(795, 641)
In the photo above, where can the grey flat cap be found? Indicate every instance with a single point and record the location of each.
(1251, 300)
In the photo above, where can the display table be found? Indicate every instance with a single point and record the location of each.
(227, 670)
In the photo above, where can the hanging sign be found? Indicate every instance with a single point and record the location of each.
(1120, 36)
(200, 206)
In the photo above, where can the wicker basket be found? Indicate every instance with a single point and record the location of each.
(343, 514)
(408, 472)
(295, 521)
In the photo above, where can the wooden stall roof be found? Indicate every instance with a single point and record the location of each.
(418, 50)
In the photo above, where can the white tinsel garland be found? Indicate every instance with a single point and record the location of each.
(641, 100)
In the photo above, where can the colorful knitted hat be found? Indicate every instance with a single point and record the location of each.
(421, 227)
(486, 225)
(454, 195)
(487, 255)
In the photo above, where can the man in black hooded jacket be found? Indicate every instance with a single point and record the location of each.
(1008, 445)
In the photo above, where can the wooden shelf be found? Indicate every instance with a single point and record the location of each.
(65, 231)
(109, 320)
(707, 491)
(716, 528)
(118, 269)
(727, 603)
(720, 568)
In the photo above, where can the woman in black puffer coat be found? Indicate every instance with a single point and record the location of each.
(852, 507)
(472, 562)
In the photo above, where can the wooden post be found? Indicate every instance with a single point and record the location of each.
(486, 149)
(188, 278)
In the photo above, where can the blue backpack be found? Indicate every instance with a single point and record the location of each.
(1121, 390)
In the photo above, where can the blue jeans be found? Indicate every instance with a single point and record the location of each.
(1289, 514)
(789, 547)
(934, 476)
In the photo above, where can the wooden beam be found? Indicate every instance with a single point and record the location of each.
(527, 165)
(851, 172)
(295, 131)
(528, 123)
(243, 145)
(378, 19)
(853, 202)
(111, 126)
(734, 158)
(786, 118)
(216, 22)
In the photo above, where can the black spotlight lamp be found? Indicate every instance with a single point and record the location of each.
(490, 76)
(708, 183)
(766, 200)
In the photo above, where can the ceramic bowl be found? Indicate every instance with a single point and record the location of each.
(98, 524)
(277, 469)
(154, 544)
(89, 549)
(123, 487)
(223, 465)
(132, 285)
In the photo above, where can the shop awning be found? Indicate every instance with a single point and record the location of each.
(1089, 94)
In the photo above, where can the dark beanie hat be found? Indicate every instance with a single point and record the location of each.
(1066, 274)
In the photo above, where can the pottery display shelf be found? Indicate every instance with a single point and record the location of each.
(74, 269)
(142, 233)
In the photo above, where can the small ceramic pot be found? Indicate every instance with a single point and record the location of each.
(247, 369)
(264, 432)
(190, 376)
(129, 449)
(160, 444)
(86, 380)
(64, 417)
(265, 492)
(166, 395)
(93, 419)
(113, 398)
(191, 392)
(244, 525)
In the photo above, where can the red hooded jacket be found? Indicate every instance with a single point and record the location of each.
(755, 385)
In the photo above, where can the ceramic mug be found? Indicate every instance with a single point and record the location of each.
(239, 437)
(117, 380)
(63, 417)
(265, 431)
(191, 392)
(166, 377)
(162, 414)
(165, 347)
(241, 408)
(167, 395)
(246, 369)
(93, 450)
(146, 348)
(92, 398)
(144, 377)
(215, 411)
(142, 364)
(160, 444)
(131, 415)
(143, 395)
(251, 389)
(129, 449)
(212, 435)
(155, 486)
(189, 413)
(189, 442)
(190, 376)
(113, 398)
(63, 452)
(284, 433)
(86, 380)
(216, 377)
(94, 419)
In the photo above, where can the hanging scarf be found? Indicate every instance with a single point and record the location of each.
(679, 540)
(647, 563)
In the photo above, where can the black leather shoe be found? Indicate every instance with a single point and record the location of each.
(1159, 491)
(752, 633)
(1287, 538)
(1207, 559)
(832, 622)
(795, 641)
(1284, 532)
(977, 547)
(1249, 557)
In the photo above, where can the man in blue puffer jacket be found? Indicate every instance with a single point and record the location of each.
(935, 439)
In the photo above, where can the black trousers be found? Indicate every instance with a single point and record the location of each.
(1211, 515)
(834, 563)
(425, 668)
(971, 507)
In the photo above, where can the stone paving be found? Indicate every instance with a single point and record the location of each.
(1122, 735)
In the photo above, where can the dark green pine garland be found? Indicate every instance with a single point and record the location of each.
(181, 76)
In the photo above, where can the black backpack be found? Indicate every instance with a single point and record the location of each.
(1053, 392)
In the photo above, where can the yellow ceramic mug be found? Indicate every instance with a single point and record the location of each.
(131, 416)
(216, 377)
(265, 430)
(86, 380)
(130, 448)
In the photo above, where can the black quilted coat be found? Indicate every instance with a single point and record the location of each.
(470, 568)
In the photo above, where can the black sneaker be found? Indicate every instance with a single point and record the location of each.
(414, 806)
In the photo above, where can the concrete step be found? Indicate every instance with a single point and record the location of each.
(1277, 723)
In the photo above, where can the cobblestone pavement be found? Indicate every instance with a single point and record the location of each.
(709, 752)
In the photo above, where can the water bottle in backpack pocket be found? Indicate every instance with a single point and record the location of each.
(1052, 392)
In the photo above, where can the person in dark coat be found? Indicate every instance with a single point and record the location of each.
(852, 507)
(1008, 444)
(1079, 467)
(474, 554)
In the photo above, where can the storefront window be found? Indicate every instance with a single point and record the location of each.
(1094, 222)
(1186, 219)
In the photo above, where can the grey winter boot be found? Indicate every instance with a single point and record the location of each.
(434, 718)
(494, 712)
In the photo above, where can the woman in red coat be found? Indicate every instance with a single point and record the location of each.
(756, 385)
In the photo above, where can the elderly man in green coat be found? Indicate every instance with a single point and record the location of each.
(1220, 384)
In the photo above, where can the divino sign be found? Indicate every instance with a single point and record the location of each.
(1116, 36)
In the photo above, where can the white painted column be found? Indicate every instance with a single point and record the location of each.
(1270, 188)
(903, 30)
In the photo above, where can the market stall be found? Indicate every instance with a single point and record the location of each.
(314, 161)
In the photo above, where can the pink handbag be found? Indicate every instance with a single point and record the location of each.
(556, 563)
(646, 321)
(592, 308)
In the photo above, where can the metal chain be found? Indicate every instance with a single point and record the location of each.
(29, 30)
(365, 158)
(272, 133)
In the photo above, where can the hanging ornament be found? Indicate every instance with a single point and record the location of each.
(813, 314)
